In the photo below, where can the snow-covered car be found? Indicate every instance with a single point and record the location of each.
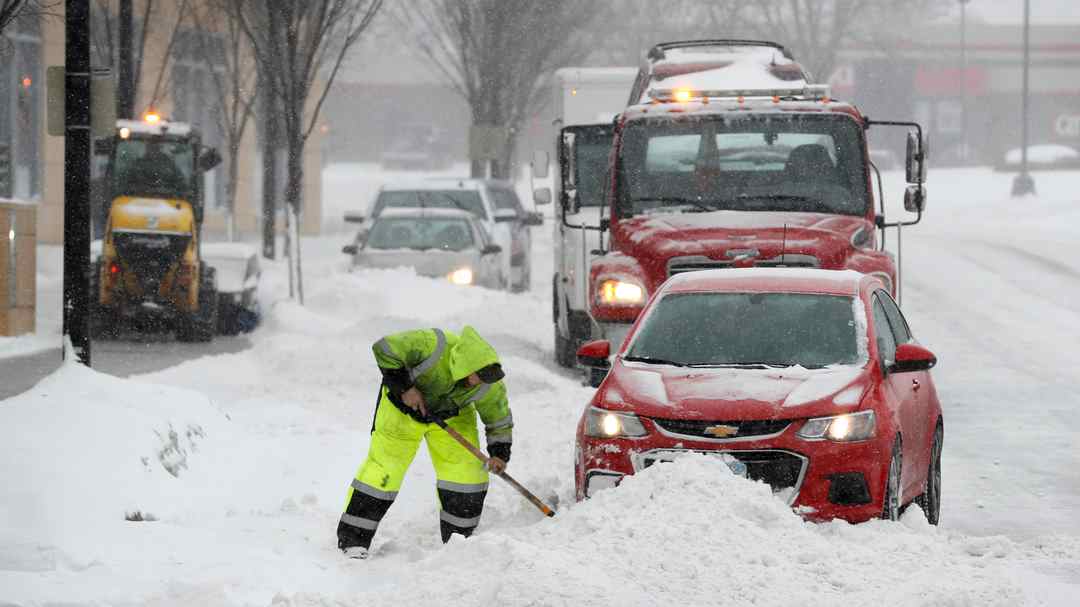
(808, 380)
(1046, 155)
(494, 204)
(237, 268)
(438, 243)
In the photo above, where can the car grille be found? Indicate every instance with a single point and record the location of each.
(698, 428)
(694, 263)
(781, 470)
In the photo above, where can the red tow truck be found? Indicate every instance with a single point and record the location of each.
(748, 172)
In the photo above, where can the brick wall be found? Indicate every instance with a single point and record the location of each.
(18, 268)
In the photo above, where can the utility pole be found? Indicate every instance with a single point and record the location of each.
(77, 178)
(964, 149)
(125, 98)
(270, 137)
(1024, 184)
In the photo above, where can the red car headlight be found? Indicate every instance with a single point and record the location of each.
(840, 428)
(609, 424)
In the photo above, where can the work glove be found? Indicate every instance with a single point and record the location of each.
(501, 451)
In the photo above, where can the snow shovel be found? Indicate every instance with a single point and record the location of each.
(506, 477)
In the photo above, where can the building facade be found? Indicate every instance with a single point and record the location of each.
(965, 87)
(175, 79)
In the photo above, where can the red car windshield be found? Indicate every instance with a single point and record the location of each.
(749, 329)
(779, 162)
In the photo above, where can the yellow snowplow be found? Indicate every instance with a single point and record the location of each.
(151, 274)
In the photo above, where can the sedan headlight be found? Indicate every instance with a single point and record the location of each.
(461, 276)
(840, 428)
(609, 424)
(620, 293)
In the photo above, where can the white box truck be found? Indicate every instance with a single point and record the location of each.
(586, 103)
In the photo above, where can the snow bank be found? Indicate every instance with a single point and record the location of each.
(678, 533)
(83, 451)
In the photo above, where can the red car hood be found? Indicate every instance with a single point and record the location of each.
(712, 234)
(732, 394)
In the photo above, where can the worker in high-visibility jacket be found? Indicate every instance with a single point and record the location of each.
(427, 373)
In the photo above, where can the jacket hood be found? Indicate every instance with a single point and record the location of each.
(470, 354)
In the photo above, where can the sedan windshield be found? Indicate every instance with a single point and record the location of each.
(421, 234)
(748, 329)
(796, 162)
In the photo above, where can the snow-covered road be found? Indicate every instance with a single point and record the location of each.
(267, 439)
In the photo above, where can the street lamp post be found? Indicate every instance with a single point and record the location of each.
(1024, 184)
(963, 82)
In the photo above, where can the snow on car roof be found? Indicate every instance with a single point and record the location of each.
(758, 68)
(443, 183)
(418, 212)
(228, 250)
(779, 280)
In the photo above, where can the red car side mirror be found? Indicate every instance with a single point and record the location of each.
(594, 353)
(913, 357)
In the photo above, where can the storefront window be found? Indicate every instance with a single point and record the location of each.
(21, 97)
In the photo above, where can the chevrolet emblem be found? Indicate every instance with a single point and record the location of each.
(722, 431)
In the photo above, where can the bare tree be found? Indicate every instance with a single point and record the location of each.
(234, 85)
(105, 42)
(499, 54)
(10, 10)
(637, 25)
(299, 48)
(816, 30)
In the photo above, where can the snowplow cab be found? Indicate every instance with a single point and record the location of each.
(151, 271)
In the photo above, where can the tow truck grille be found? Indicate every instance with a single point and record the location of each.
(694, 263)
(700, 429)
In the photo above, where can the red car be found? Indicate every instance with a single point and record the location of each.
(808, 380)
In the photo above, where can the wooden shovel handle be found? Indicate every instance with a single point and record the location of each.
(503, 475)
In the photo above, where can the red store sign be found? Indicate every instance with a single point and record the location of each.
(949, 82)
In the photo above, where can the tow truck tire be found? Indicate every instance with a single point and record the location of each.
(565, 355)
(526, 280)
(201, 326)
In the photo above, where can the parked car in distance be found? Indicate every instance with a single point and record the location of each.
(492, 202)
(808, 380)
(418, 147)
(438, 243)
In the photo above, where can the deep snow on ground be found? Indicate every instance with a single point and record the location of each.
(270, 437)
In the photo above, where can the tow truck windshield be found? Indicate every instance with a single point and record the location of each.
(776, 162)
(151, 167)
(771, 330)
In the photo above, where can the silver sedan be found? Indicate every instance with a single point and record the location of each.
(438, 243)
